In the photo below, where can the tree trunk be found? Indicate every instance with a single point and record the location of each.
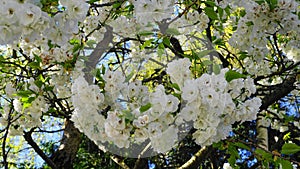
(65, 155)
(276, 93)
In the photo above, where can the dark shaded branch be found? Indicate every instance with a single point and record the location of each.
(177, 49)
(106, 4)
(277, 73)
(4, 153)
(141, 163)
(277, 93)
(49, 131)
(30, 141)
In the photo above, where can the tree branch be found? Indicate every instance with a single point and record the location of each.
(30, 141)
(4, 153)
(196, 158)
(278, 92)
(100, 49)
(119, 161)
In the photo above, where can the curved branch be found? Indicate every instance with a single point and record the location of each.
(30, 141)
(278, 92)
(196, 158)
(100, 49)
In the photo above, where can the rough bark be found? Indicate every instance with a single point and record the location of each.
(65, 155)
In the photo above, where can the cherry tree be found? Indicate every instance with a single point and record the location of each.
(140, 79)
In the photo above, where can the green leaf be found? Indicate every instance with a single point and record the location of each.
(287, 136)
(129, 76)
(172, 31)
(74, 41)
(260, 1)
(232, 160)
(145, 107)
(290, 148)
(38, 83)
(285, 164)
(175, 86)
(243, 55)
(207, 62)
(128, 115)
(91, 43)
(210, 3)
(166, 41)
(177, 95)
(242, 145)
(34, 65)
(37, 58)
(48, 88)
(234, 154)
(145, 33)
(103, 70)
(117, 5)
(227, 10)
(272, 4)
(216, 68)
(220, 12)
(265, 155)
(249, 23)
(41, 78)
(27, 99)
(160, 52)
(26, 105)
(147, 43)
(231, 75)
(24, 93)
(204, 53)
(77, 48)
(92, 1)
(219, 145)
(209, 11)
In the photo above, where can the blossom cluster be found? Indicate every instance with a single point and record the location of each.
(152, 123)
(150, 11)
(26, 22)
(210, 102)
(259, 22)
(21, 19)
(25, 112)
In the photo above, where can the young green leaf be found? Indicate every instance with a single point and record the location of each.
(145, 107)
(290, 148)
(209, 11)
(285, 164)
(231, 75)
